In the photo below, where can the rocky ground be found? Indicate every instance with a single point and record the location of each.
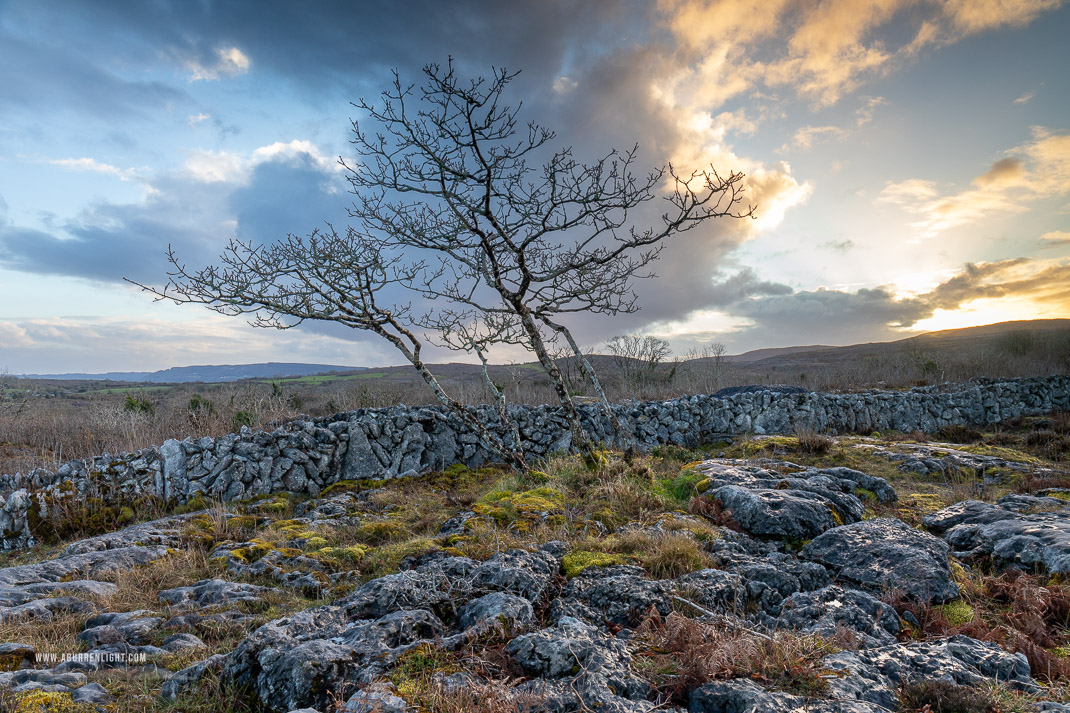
(789, 573)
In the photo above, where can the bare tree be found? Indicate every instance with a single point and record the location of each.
(328, 277)
(452, 172)
(637, 358)
(448, 206)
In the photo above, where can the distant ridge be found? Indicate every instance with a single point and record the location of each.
(206, 374)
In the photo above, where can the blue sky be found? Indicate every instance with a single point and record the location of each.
(910, 160)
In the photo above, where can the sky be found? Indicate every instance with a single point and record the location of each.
(909, 160)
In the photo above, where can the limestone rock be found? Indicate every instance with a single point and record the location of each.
(884, 554)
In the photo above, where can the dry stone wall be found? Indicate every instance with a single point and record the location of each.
(307, 456)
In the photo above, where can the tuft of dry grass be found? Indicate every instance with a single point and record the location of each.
(711, 509)
(811, 442)
(58, 634)
(938, 696)
(138, 587)
(672, 554)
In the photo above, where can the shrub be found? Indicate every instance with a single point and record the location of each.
(812, 443)
(136, 404)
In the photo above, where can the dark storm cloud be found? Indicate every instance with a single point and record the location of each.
(838, 317)
(43, 78)
(317, 45)
(292, 195)
(587, 72)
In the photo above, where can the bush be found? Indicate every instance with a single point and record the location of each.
(136, 404)
(813, 443)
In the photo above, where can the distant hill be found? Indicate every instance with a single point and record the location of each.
(1010, 335)
(1002, 337)
(205, 374)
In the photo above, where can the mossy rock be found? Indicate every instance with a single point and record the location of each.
(342, 486)
(49, 702)
(578, 560)
(1000, 452)
(252, 552)
(506, 506)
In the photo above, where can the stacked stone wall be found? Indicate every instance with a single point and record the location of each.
(305, 456)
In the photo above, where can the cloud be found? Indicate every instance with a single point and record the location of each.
(1056, 237)
(1040, 169)
(229, 62)
(34, 74)
(564, 85)
(840, 246)
(93, 166)
(278, 190)
(839, 317)
(121, 343)
(225, 167)
(805, 136)
(968, 17)
(822, 50)
(195, 119)
(1005, 173)
(1024, 98)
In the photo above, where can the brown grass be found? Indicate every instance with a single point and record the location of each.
(932, 696)
(811, 442)
(1013, 610)
(678, 654)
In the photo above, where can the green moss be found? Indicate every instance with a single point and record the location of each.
(197, 502)
(381, 531)
(342, 486)
(507, 507)
(959, 573)
(387, 559)
(353, 554)
(49, 702)
(243, 522)
(957, 612)
(866, 495)
(1060, 496)
(575, 562)
(1000, 452)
